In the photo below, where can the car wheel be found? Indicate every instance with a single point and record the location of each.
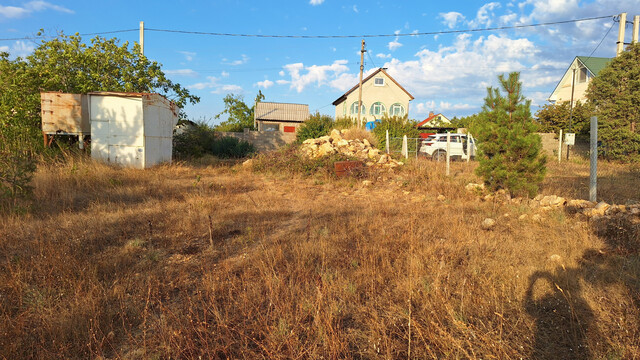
(439, 155)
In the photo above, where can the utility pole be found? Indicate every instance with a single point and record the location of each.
(573, 85)
(636, 29)
(620, 43)
(141, 37)
(360, 84)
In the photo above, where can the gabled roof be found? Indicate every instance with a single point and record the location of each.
(425, 121)
(281, 111)
(344, 96)
(593, 64)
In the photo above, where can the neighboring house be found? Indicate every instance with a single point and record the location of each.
(380, 94)
(435, 123)
(586, 68)
(282, 117)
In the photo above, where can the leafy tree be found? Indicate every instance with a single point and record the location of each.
(240, 115)
(317, 125)
(464, 122)
(616, 94)
(510, 156)
(66, 64)
(553, 117)
(398, 126)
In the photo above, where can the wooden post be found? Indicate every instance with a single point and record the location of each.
(636, 29)
(360, 85)
(405, 147)
(448, 153)
(620, 43)
(387, 142)
(593, 170)
(141, 37)
(560, 146)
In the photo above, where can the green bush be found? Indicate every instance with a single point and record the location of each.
(509, 149)
(398, 126)
(17, 163)
(289, 160)
(318, 125)
(200, 139)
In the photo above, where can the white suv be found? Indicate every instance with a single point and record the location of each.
(435, 146)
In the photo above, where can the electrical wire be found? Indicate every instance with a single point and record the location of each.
(604, 37)
(378, 35)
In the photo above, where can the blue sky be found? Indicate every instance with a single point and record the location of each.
(445, 73)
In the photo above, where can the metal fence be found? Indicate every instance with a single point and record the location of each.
(413, 145)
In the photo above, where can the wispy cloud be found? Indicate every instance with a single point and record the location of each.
(301, 76)
(182, 72)
(16, 12)
(355, 9)
(316, 2)
(243, 60)
(18, 49)
(451, 18)
(214, 83)
(395, 44)
(188, 55)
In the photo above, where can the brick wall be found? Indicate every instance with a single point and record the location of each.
(263, 140)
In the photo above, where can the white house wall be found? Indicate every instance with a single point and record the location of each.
(388, 94)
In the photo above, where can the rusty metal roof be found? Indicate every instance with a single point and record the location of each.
(282, 111)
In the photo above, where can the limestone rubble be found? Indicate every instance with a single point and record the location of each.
(334, 143)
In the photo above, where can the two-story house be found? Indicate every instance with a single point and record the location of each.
(579, 74)
(380, 94)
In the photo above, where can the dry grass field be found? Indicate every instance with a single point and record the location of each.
(219, 261)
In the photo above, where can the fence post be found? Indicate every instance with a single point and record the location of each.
(560, 146)
(448, 152)
(593, 170)
(468, 146)
(405, 147)
(387, 143)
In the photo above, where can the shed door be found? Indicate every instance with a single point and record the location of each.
(127, 155)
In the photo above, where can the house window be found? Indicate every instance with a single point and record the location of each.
(354, 109)
(396, 110)
(582, 75)
(270, 127)
(377, 109)
(378, 81)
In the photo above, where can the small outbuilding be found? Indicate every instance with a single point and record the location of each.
(131, 129)
(282, 117)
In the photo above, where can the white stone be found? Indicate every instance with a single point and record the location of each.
(488, 224)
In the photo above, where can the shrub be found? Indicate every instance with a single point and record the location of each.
(398, 126)
(344, 123)
(17, 163)
(509, 149)
(289, 160)
(200, 139)
(317, 126)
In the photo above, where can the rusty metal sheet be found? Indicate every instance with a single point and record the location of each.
(64, 113)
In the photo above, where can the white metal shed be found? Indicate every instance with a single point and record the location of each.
(131, 129)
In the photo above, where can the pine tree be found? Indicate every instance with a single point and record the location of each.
(510, 155)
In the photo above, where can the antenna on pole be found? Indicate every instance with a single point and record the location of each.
(141, 37)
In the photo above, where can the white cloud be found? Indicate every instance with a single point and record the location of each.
(182, 72)
(283, 82)
(18, 49)
(188, 55)
(484, 15)
(15, 12)
(243, 60)
(442, 106)
(214, 83)
(451, 18)
(316, 2)
(393, 45)
(355, 9)
(281, 73)
(318, 75)
(264, 84)
(224, 74)
(383, 56)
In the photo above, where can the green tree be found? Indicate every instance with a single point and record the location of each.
(317, 125)
(398, 126)
(510, 156)
(553, 117)
(240, 116)
(615, 92)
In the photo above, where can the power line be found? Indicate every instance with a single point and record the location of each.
(377, 35)
(325, 36)
(604, 37)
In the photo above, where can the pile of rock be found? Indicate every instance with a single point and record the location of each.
(543, 203)
(336, 144)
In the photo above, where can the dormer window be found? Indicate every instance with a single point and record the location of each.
(378, 81)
